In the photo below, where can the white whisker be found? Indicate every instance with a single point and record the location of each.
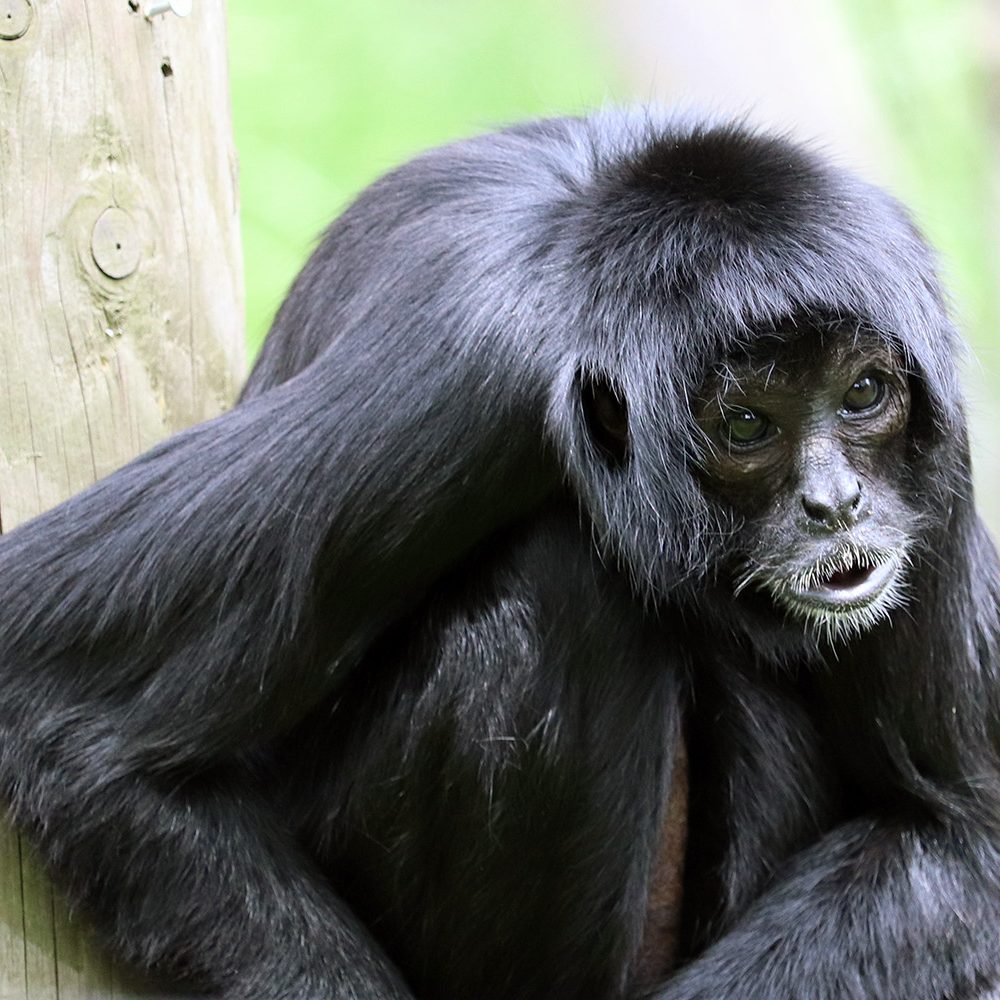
(795, 592)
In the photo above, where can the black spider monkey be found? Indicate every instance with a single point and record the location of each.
(370, 687)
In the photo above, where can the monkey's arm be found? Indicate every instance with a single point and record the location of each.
(230, 577)
(187, 609)
(194, 879)
(876, 911)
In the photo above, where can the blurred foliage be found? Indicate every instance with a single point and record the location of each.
(932, 83)
(328, 94)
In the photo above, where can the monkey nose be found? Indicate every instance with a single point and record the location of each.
(834, 508)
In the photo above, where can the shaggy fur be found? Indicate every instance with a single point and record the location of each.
(368, 688)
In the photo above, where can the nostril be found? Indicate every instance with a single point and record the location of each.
(835, 510)
(816, 510)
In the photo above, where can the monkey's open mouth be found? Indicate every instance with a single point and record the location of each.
(845, 593)
(847, 586)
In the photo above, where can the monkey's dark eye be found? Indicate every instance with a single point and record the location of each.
(742, 427)
(865, 394)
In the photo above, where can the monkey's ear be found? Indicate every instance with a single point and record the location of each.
(605, 412)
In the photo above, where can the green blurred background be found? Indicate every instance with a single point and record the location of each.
(328, 94)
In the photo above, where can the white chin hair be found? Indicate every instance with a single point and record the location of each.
(842, 596)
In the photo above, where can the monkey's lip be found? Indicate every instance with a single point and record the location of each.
(852, 587)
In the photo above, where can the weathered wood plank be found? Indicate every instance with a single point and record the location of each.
(120, 309)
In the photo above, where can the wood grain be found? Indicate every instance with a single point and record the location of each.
(121, 310)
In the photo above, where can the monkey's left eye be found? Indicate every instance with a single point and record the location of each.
(865, 394)
(742, 427)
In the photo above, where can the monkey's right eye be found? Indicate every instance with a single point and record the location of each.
(742, 428)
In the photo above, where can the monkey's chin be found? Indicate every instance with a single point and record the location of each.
(843, 596)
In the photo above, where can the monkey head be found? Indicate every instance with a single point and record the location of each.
(766, 419)
(804, 443)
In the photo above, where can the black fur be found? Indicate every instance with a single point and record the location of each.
(368, 688)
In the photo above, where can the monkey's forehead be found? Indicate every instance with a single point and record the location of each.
(799, 356)
(803, 345)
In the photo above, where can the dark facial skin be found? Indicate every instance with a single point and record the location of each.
(806, 447)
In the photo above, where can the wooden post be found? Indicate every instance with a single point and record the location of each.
(121, 315)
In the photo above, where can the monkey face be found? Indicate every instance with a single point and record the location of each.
(804, 446)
